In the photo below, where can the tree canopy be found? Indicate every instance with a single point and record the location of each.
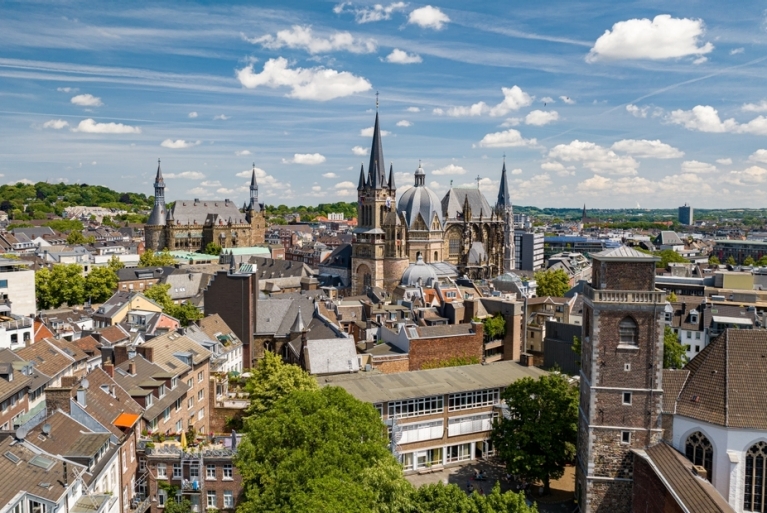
(538, 438)
(441, 498)
(494, 327)
(64, 283)
(212, 249)
(674, 355)
(185, 312)
(271, 380)
(100, 284)
(156, 259)
(554, 283)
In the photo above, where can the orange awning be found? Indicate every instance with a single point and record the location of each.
(126, 420)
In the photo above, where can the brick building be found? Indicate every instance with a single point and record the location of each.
(621, 391)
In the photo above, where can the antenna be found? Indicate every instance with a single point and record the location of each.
(46, 429)
(21, 432)
(85, 383)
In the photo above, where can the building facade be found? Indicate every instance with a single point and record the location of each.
(190, 225)
(528, 248)
(686, 215)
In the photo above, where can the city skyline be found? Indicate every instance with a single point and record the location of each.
(614, 106)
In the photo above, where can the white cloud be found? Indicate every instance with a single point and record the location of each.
(316, 188)
(749, 176)
(359, 150)
(700, 60)
(66, 89)
(724, 162)
(211, 183)
(56, 124)
(378, 12)
(759, 156)
(87, 100)
(541, 117)
(595, 157)
(368, 132)
(398, 56)
(187, 175)
(308, 159)
(319, 84)
(428, 17)
(755, 107)
(511, 122)
(507, 139)
(705, 118)
(599, 185)
(514, 98)
(329, 175)
(567, 100)
(23, 180)
(298, 37)
(242, 153)
(547, 99)
(637, 112)
(695, 166)
(192, 114)
(413, 109)
(450, 169)
(404, 122)
(272, 186)
(516, 171)
(345, 185)
(557, 167)
(178, 144)
(663, 37)
(647, 149)
(736, 51)
(91, 127)
(221, 117)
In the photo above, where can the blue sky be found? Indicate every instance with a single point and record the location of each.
(611, 104)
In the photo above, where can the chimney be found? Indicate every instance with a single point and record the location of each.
(109, 368)
(700, 471)
(146, 352)
(81, 397)
(132, 368)
(120, 354)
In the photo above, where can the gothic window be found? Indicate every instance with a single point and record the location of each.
(367, 281)
(699, 451)
(754, 493)
(436, 257)
(629, 331)
(455, 247)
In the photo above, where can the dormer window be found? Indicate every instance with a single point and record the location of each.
(161, 391)
(149, 400)
(173, 383)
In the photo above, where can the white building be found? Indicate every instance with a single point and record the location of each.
(17, 288)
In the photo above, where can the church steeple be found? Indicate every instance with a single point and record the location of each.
(254, 205)
(158, 216)
(377, 168)
(391, 177)
(362, 178)
(505, 211)
(504, 198)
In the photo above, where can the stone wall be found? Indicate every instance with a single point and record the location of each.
(435, 350)
(623, 275)
(393, 269)
(608, 497)
(390, 365)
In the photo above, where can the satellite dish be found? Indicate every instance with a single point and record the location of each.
(21, 432)
(84, 383)
(46, 429)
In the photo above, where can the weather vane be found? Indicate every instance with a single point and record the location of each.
(478, 179)
(376, 100)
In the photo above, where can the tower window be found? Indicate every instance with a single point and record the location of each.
(627, 398)
(625, 437)
(629, 332)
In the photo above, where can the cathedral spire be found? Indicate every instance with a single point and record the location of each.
(504, 197)
(391, 177)
(377, 168)
(361, 185)
(254, 206)
(158, 215)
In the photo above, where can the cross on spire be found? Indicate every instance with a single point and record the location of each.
(478, 179)
(376, 101)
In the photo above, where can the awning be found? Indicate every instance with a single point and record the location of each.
(126, 420)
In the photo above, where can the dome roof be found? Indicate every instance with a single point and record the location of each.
(419, 199)
(418, 271)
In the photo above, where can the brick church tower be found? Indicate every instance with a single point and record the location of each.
(621, 367)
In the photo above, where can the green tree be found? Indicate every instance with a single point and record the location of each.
(100, 284)
(672, 297)
(115, 263)
(212, 249)
(749, 260)
(674, 355)
(731, 260)
(538, 439)
(77, 238)
(271, 380)
(185, 313)
(171, 506)
(442, 498)
(669, 256)
(159, 294)
(65, 225)
(494, 327)
(64, 283)
(576, 347)
(762, 262)
(552, 283)
(317, 451)
(156, 259)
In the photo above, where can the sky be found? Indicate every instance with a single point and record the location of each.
(612, 104)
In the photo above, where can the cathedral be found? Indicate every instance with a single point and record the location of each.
(461, 229)
(190, 225)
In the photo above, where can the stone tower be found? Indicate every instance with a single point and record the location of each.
(154, 230)
(254, 213)
(505, 211)
(621, 367)
(375, 197)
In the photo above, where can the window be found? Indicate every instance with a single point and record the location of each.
(194, 472)
(178, 404)
(210, 471)
(173, 383)
(416, 407)
(455, 247)
(200, 376)
(475, 399)
(228, 471)
(142, 465)
(697, 349)
(14, 338)
(3, 284)
(211, 497)
(625, 437)
(200, 395)
(190, 382)
(461, 452)
(162, 497)
(697, 335)
(689, 334)
(754, 496)
(627, 367)
(629, 332)
(161, 391)
(699, 451)
(627, 398)
(177, 471)
(201, 414)
(162, 471)
(189, 403)
(470, 424)
(419, 431)
(166, 414)
(179, 426)
(228, 499)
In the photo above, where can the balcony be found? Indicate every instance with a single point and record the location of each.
(625, 296)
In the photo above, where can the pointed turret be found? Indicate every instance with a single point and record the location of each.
(158, 217)
(377, 168)
(391, 177)
(254, 205)
(362, 178)
(298, 324)
(504, 198)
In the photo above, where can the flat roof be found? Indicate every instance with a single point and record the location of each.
(379, 388)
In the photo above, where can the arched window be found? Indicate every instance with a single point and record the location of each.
(629, 331)
(754, 497)
(436, 257)
(699, 451)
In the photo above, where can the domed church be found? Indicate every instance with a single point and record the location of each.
(461, 228)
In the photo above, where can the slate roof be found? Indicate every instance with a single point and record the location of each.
(19, 382)
(185, 285)
(727, 381)
(46, 358)
(67, 437)
(623, 253)
(419, 199)
(145, 371)
(278, 315)
(166, 345)
(331, 356)
(668, 238)
(105, 408)
(452, 203)
(268, 268)
(205, 211)
(693, 493)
